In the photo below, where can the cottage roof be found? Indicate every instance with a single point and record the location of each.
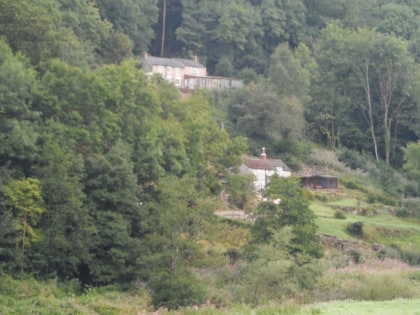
(267, 164)
(166, 62)
(189, 63)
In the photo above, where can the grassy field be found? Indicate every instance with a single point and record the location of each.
(383, 227)
(394, 307)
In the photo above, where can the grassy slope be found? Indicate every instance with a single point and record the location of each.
(395, 307)
(384, 228)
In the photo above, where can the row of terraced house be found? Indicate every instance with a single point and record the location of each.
(186, 73)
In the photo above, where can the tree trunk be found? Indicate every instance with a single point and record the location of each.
(162, 43)
(370, 110)
(385, 95)
(22, 253)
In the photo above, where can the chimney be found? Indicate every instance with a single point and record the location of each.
(263, 154)
(195, 58)
(145, 55)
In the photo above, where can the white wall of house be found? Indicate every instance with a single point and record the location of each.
(262, 177)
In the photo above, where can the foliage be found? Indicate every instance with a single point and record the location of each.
(412, 205)
(26, 198)
(340, 215)
(240, 189)
(412, 158)
(174, 290)
(134, 18)
(272, 275)
(355, 228)
(260, 114)
(293, 211)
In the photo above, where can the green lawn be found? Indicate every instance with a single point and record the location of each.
(382, 228)
(394, 307)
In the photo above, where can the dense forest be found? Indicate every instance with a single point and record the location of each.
(108, 176)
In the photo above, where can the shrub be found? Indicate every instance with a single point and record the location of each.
(349, 184)
(414, 276)
(379, 287)
(354, 159)
(355, 255)
(340, 215)
(403, 212)
(389, 252)
(371, 197)
(355, 228)
(234, 255)
(309, 194)
(411, 257)
(386, 199)
(174, 290)
(321, 197)
(413, 205)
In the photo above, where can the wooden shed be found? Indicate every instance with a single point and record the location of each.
(320, 181)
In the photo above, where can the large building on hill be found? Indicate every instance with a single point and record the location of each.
(186, 73)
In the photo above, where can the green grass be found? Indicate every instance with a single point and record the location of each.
(394, 307)
(383, 227)
(28, 296)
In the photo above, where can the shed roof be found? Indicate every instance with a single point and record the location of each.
(319, 176)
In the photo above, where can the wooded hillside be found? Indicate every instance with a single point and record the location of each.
(108, 176)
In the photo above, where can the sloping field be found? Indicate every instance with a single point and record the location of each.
(394, 307)
(383, 227)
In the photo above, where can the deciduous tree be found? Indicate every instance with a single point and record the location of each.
(25, 196)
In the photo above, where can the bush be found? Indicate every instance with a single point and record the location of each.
(389, 252)
(174, 290)
(355, 255)
(349, 184)
(234, 255)
(340, 215)
(403, 212)
(355, 228)
(309, 194)
(321, 197)
(411, 257)
(412, 205)
(354, 159)
(371, 197)
(380, 287)
(386, 199)
(414, 276)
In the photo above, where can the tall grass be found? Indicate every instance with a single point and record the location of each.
(28, 296)
(374, 280)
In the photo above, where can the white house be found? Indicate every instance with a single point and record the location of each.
(263, 169)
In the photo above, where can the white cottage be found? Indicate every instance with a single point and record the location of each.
(263, 169)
